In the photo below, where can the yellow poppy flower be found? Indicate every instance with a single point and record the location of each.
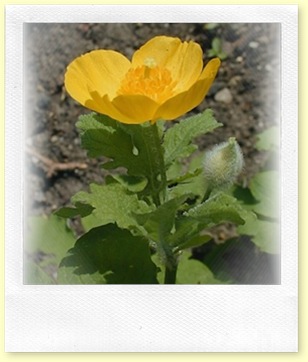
(164, 80)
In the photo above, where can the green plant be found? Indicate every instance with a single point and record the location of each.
(160, 199)
(262, 197)
(216, 49)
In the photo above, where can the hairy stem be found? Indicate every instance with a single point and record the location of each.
(207, 194)
(170, 274)
(158, 179)
(171, 264)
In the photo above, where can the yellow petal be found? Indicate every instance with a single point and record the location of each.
(98, 103)
(136, 108)
(182, 59)
(101, 70)
(131, 109)
(187, 100)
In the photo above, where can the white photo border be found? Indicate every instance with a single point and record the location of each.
(150, 318)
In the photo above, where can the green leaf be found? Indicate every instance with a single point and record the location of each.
(160, 222)
(222, 55)
(80, 209)
(160, 267)
(178, 139)
(216, 45)
(195, 241)
(46, 243)
(186, 229)
(188, 176)
(191, 271)
(191, 182)
(210, 26)
(131, 183)
(103, 136)
(196, 162)
(211, 53)
(265, 234)
(137, 148)
(244, 196)
(264, 188)
(108, 255)
(149, 159)
(113, 203)
(268, 139)
(174, 171)
(217, 209)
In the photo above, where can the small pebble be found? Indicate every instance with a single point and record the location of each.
(254, 44)
(263, 39)
(54, 139)
(234, 81)
(223, 96)
(239, 59)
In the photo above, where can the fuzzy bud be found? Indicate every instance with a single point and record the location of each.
(223, 163)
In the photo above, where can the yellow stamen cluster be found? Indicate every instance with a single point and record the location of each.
(148, 80)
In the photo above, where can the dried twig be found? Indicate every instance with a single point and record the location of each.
(51, 167)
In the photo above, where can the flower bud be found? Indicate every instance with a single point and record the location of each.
(223, 163)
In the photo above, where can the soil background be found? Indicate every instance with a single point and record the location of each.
(244, 97)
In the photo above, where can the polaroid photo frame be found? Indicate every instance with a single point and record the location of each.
(150, 318)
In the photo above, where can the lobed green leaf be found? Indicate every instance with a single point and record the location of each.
(264, 233)
(216, 210)
(268, 139)
(178, 139)
(191, 271)
(263, 228)
(160, 222)
(130, 146)
(216, 45)
(103, 136)
(112, 203)
(108, 255)
(263, 187)
(80, 209)
(191, 182)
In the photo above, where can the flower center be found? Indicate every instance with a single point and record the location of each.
(149, 80)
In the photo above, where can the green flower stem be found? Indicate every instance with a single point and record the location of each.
(170, 261)
(170, 274)
(207, 194)
(159, 188)
(158, 185)
(158, 180)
